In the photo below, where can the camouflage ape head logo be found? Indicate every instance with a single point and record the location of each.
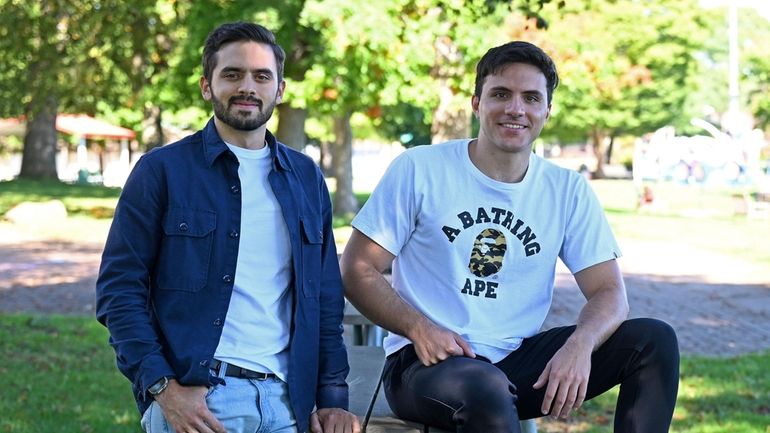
(488, 252)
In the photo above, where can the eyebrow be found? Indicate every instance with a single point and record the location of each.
(505, 89)
(253, 71)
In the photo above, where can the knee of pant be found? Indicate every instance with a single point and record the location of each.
(490, 407)
(488, 391)
(660, 338)
(661, 333)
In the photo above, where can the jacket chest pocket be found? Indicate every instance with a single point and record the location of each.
(312, 242)
(185, 251)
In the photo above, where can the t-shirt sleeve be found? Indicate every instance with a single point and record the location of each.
(389, 215)
(588, 238)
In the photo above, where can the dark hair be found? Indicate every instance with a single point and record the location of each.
(236, 32)
(496, 59)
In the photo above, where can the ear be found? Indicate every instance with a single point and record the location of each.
(205, 88)
(279, 95)
(548, 113)
(475, 105)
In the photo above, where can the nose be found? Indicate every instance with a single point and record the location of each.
(515, 107)
(248, 86)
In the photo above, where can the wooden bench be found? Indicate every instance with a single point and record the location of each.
(367, 398)
(363, 331)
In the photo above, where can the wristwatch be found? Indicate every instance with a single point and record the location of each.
(158, 386)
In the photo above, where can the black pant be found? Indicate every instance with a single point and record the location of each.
(472, 395)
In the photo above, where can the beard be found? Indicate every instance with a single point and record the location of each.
(239, 119)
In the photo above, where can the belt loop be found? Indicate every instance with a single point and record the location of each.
(222, 370)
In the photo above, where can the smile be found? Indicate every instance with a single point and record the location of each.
(512, 126)
(245, 103)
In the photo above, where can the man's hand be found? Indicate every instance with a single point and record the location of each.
(185, 409)
(332, 420)
(567, 377)
(434, 344)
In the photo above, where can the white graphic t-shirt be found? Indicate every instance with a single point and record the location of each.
(478, 256)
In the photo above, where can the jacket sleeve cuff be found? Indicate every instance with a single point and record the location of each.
(154, 367)
(332, 396)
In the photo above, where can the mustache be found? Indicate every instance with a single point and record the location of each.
(236, 99)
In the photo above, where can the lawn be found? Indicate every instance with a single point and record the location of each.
(59, 375)
(715, 396)
(690, 215)
(90, 200)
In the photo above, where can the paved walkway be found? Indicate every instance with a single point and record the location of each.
(718, 305)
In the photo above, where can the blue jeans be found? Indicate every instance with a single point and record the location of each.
(242, 406)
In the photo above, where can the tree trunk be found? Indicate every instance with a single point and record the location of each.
(345, 203)
(39, 156)
(610, 147)
(153, 136)
(325, 156)
(598, 145)
(452, 117)
(291, 126)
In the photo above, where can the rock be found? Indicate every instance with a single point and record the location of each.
(28, 213)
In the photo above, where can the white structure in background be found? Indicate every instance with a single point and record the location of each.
(370, 160)
(112, 167)
(109, 165)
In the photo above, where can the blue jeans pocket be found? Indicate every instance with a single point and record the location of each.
(153, 420)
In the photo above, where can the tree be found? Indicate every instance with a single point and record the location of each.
(63, 55)
(350, 74)
(754, 30)
(438, 47)
(626, 67)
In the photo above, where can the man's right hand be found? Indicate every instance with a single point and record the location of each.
(434, 344)
(185, 409)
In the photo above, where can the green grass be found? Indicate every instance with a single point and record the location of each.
(688, 215)
(92, 200)
(59, 375)
(715, 395)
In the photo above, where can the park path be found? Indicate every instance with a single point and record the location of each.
(718, 305)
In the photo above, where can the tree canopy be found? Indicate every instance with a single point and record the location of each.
(627, 67)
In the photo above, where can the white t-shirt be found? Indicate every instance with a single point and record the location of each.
(478, 256)
(257, 326)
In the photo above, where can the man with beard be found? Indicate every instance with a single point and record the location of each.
(220, 267)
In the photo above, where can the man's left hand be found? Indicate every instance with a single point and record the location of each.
(567, 377)
(333, 420)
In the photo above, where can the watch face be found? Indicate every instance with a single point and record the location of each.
(158, 386)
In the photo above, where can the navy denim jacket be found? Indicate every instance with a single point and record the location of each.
(168, 267)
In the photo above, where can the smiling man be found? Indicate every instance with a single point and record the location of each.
(219, 280)
(473, 275)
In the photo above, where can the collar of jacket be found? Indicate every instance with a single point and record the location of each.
(213, 147)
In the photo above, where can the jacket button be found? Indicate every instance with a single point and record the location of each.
(234, 189)
(234, 234)
(183, 227)
(218, 322)
(227, 278)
